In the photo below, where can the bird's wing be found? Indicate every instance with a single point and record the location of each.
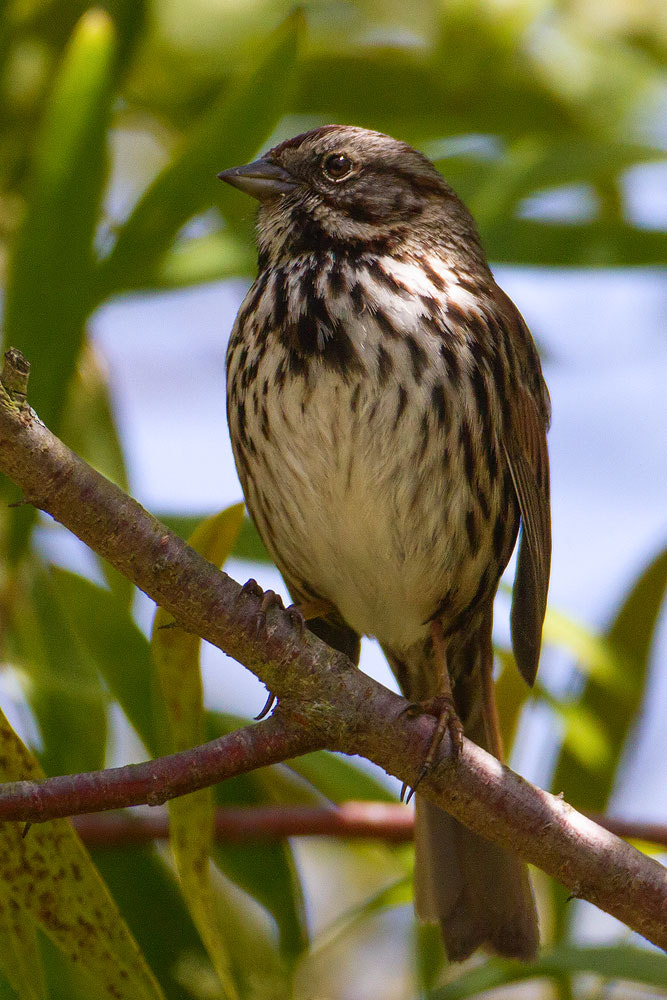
(525, 447)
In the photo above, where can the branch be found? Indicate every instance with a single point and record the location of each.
(157, 781)
(386, 821)
(320, 691)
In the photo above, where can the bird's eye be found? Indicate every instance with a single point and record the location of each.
(336, 166)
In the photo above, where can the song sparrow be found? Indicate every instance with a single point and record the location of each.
(388, 418)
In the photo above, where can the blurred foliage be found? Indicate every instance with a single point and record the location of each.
(113, 124)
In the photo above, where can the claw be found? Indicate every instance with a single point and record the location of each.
(405, 799)
(269, 600)
(441, 708)
(268, 705)
(297, 619)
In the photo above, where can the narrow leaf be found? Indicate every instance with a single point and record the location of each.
(229, 133)
(48, 293)
(62, 683)
(629, 636)
(176, 656)
(339, 779)
(266, 871)
(169, 939)
(88, 427)
(49, 876)
(19, 954)
(624, 963)
(51, 265)
(120, 651)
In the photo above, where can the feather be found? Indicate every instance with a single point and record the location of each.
(525, 448)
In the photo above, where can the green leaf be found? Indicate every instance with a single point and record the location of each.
(49, 876)
(601, 243)
(248, 544)
(229, 133)
(267, 871)
(51, 266)
(624, 963)
(615, 707)
(63, 685)
(138, 878)
(596, 657)
(89, 429)
(533, 163)
(120, 651)
(48, 294)
(397, 893)
(512, 693)
(176, 657)
(630, 636)
(207, 258)
(339, 779)
(583, 735)
(19, 954)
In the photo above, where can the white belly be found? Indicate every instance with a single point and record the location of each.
(374, 530)
(362, 499)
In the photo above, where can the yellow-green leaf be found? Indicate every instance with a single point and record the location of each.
(176, 655)
(19, 955)
(230, 131)
(49, 284)
(48, 876)
(512, 693)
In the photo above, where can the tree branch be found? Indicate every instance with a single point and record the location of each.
(156, 781)
(386, 821)
(320, 691)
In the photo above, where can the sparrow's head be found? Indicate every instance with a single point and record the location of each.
(345, 185)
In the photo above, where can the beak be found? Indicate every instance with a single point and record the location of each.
(262, 179)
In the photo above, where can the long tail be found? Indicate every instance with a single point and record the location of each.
(479, 893)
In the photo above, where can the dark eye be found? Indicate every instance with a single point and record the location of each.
(337, 165)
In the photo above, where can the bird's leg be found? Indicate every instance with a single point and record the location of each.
(441, 706)
(494, 739)
(299, 614)
(317, 608)
(443, 702)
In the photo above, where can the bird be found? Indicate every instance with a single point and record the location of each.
(388, 417)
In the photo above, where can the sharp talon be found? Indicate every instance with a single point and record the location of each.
(268, 705)
(411, 792)
(269, 600)
(24, 832)
(297, 619)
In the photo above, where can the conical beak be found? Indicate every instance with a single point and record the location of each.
(262, 179)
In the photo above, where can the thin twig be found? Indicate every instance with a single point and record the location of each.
(385, 821)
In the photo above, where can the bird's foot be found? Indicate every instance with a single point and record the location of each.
(442, 708)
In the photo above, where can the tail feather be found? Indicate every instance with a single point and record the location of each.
(479, 893)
